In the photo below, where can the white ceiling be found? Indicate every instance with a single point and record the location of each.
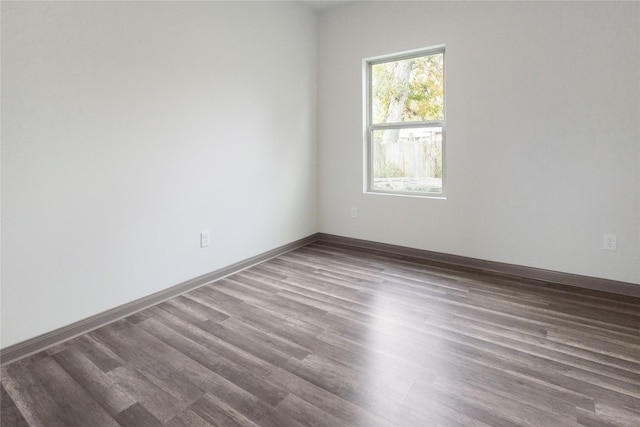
(322, 4)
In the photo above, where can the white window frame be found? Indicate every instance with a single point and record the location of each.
(369, 127)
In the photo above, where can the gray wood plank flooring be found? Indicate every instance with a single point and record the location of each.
(328, 335)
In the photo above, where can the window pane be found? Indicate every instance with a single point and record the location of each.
(409, 90)
(407, 159)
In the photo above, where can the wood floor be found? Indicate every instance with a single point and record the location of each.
(331, 336)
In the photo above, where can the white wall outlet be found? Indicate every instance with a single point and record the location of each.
(609, 242)
(354, 212)
(205, 239)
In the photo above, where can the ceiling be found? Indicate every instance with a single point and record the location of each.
(322, 4)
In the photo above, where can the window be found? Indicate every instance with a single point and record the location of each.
(405, 123)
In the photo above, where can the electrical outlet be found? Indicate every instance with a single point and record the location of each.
(609, 242)
(205, 239)
(354, 212)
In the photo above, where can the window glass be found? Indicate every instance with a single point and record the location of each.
(405, 123)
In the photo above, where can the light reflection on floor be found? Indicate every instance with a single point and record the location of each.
(392, 344)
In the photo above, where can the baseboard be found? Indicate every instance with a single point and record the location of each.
(34, 345)
(556, 277)
(42, 342)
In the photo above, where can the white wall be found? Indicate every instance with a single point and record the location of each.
(129, 127)
(543, 131)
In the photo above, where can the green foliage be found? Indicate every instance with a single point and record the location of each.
(389, 170)
(423, 89)
(437, 166)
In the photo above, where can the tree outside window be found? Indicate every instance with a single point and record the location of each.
(405, 123)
